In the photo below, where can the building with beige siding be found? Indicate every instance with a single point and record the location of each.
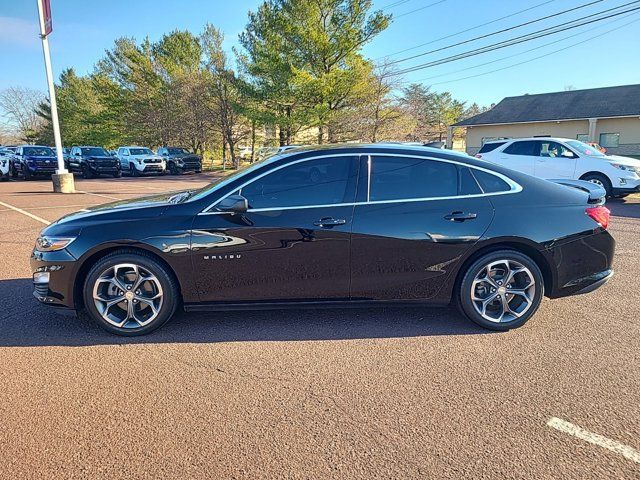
(609, 116)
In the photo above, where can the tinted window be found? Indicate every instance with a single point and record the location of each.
(522, 148)
(97, 151)
(316, 182)
(490, 183)
(140, 151)
(394, 178)
(490, 147)
(468, 184)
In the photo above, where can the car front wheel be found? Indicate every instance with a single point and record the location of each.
(600, 180)
(130, 293)
(501, 290)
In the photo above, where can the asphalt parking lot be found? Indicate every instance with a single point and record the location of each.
(370, 393)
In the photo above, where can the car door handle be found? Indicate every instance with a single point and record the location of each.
(329, 222)
(460, 216)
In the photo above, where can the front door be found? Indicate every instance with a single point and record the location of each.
(416, 222)
(554, 160)
(292, 243)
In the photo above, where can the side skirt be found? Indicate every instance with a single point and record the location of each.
(302, 304)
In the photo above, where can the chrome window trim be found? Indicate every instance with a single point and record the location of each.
(514, 186)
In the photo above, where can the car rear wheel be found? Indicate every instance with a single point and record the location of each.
(501, 290)
(130, 293)
(600, 180)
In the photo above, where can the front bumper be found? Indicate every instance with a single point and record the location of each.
(103, 170)
(189, 167)
(40, 170)
(153, 168)
(59, 269)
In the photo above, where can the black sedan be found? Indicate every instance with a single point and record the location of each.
(358, 225)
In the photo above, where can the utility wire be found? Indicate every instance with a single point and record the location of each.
(393, 4)
(530, 22)
(540, 56)
(418, 9)
(466, 30)
(524, 51)
(517, 40)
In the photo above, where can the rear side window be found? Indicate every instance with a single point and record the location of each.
(528, 147)
(397, 178)
(490, 147)
(323, 181)
(490, 183)
(468, 184)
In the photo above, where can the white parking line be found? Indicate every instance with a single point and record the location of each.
(24, 212)
(99, 195)
(625, 450)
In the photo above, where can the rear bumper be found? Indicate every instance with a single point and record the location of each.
(595, 281)
(582, 265)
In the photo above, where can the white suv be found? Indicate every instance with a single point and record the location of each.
(556, 158)
(5, 164)
(139, 160)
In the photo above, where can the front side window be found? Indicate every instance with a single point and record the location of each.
(554, 150)
(323, 181)
(526, 147)
(609, 140)
(585, 149)
(397, 178)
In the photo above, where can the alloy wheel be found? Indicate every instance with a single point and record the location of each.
(503, 291)
(128, 296)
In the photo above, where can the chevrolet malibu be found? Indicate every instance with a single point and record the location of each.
(343, 225)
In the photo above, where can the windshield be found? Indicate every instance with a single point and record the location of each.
(140, 151)
(585, 149)
(176, 151)
(38, 151)
(95, 151)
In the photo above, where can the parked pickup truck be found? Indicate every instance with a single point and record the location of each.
(33, 160)
(93, 161)
(140, 160)
(180, 160)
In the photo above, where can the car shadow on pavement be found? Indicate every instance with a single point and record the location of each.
(624, 208)
(26, 323)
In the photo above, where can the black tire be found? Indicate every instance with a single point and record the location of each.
(14, 171)
(465, 290)
(133, 171)
(599, 179)
(198, 171)
(118, 174)
(86, 173)
(173, 169)
(169, 285)
(26, 173)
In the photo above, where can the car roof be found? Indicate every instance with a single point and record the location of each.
(555, 139)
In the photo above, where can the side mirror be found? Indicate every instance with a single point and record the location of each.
(233, 204)
(568, 154)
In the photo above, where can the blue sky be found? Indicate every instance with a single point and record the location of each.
(84, 29)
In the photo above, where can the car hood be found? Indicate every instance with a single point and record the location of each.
(143, 156)
(148, 206)
(182, 156)
(628, 161)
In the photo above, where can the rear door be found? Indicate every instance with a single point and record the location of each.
(554, 160)
(291, 245)
(519, 155)
(415, 219)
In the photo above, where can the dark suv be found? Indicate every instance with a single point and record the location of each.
(93, 161)
(180, 160)
(33, 160)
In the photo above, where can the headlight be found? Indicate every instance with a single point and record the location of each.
(626, 168)
(52, 244)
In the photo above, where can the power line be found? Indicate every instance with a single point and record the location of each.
(517, 40)
(498, 32)
(521, 53)
(418, 9)
(467, 30)
(540, 56)
(393, 4)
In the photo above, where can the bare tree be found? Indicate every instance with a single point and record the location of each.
(19, 108)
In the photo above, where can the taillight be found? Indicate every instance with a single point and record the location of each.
(599, 214)
(478, 155)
